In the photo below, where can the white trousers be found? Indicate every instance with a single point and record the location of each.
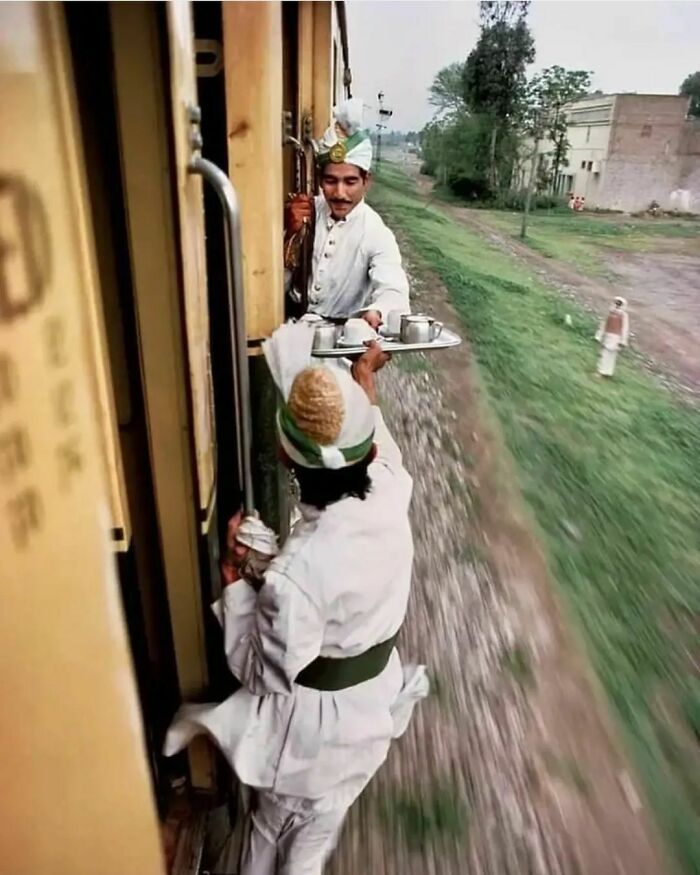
(606, 362)
(285, 842)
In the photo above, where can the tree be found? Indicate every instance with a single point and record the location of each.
(455, 151)
(549, 92)
(691, 88)
(493, 79)
(446, 92)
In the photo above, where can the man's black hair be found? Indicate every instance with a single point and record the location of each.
(320, 487)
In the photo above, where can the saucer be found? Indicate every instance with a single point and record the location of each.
(348, 344)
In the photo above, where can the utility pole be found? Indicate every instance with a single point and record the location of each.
(384, 115)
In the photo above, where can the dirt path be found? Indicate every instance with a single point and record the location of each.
(662, 288)
(511, 766)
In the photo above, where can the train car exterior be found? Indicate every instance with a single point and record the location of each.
(125, 426)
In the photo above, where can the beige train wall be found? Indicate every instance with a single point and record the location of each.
(73, 771)
(74, 778)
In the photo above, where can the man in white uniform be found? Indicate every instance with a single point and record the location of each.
(356, 260)
(324, 691)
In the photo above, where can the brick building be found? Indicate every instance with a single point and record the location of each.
(628, 150)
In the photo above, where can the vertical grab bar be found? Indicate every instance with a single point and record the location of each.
(226, 193)
(307, 245)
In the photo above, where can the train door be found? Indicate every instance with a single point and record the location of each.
(136, 81)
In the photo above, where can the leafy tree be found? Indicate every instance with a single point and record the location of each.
(691, 88)
(431, 144)
(446, 92)
(548, 94)
(494, 81)
(455, 151)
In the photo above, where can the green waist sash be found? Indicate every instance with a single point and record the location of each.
(330, 674)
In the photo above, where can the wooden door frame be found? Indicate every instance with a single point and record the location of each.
(144, 115)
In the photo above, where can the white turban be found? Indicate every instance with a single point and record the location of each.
(326, 420)
(346, 140)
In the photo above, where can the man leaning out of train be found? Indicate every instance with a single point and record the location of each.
(356, 266)
(311, 637)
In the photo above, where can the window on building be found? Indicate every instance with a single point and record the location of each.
(590, 165)
(646, 130)
(588, 134)
(565, 183)
(583, 165)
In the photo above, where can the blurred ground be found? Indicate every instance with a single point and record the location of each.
(511, 766)
(607, 471)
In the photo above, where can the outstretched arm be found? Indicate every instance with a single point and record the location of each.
(388, 281)
(363, 371)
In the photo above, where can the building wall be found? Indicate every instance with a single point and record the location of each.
(589, 135)
(644, 161)
(686, 197)
(627, 150)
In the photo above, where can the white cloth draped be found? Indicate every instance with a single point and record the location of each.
(339, 586)
(356, 265)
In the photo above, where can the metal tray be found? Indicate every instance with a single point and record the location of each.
(445, 340)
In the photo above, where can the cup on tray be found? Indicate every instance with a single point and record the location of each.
(357, 332)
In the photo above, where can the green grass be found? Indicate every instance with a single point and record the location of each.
(568, 771)
(620, 462)
(578, 239)
(428, 819)
(518, 663)
(413, 364)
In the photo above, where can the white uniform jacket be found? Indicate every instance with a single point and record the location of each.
(356, 265)
(339, 586)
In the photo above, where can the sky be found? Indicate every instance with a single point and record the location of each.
(399, 45)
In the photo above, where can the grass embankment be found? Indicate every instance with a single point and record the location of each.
(579, 238)
(611, 471)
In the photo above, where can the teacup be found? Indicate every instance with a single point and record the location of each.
(392, 324)
(357, 331)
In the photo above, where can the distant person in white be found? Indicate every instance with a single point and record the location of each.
(356, 260)
(324, 690)
(613, 333)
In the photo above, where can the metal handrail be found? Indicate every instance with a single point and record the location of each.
(307, 244)
(226, 193)
(289, 140)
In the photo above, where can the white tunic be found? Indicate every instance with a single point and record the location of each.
(356, 264)
(339, 586)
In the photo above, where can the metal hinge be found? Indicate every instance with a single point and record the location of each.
(194, 119)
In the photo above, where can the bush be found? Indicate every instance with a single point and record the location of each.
(469, 187)
(515, 200)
